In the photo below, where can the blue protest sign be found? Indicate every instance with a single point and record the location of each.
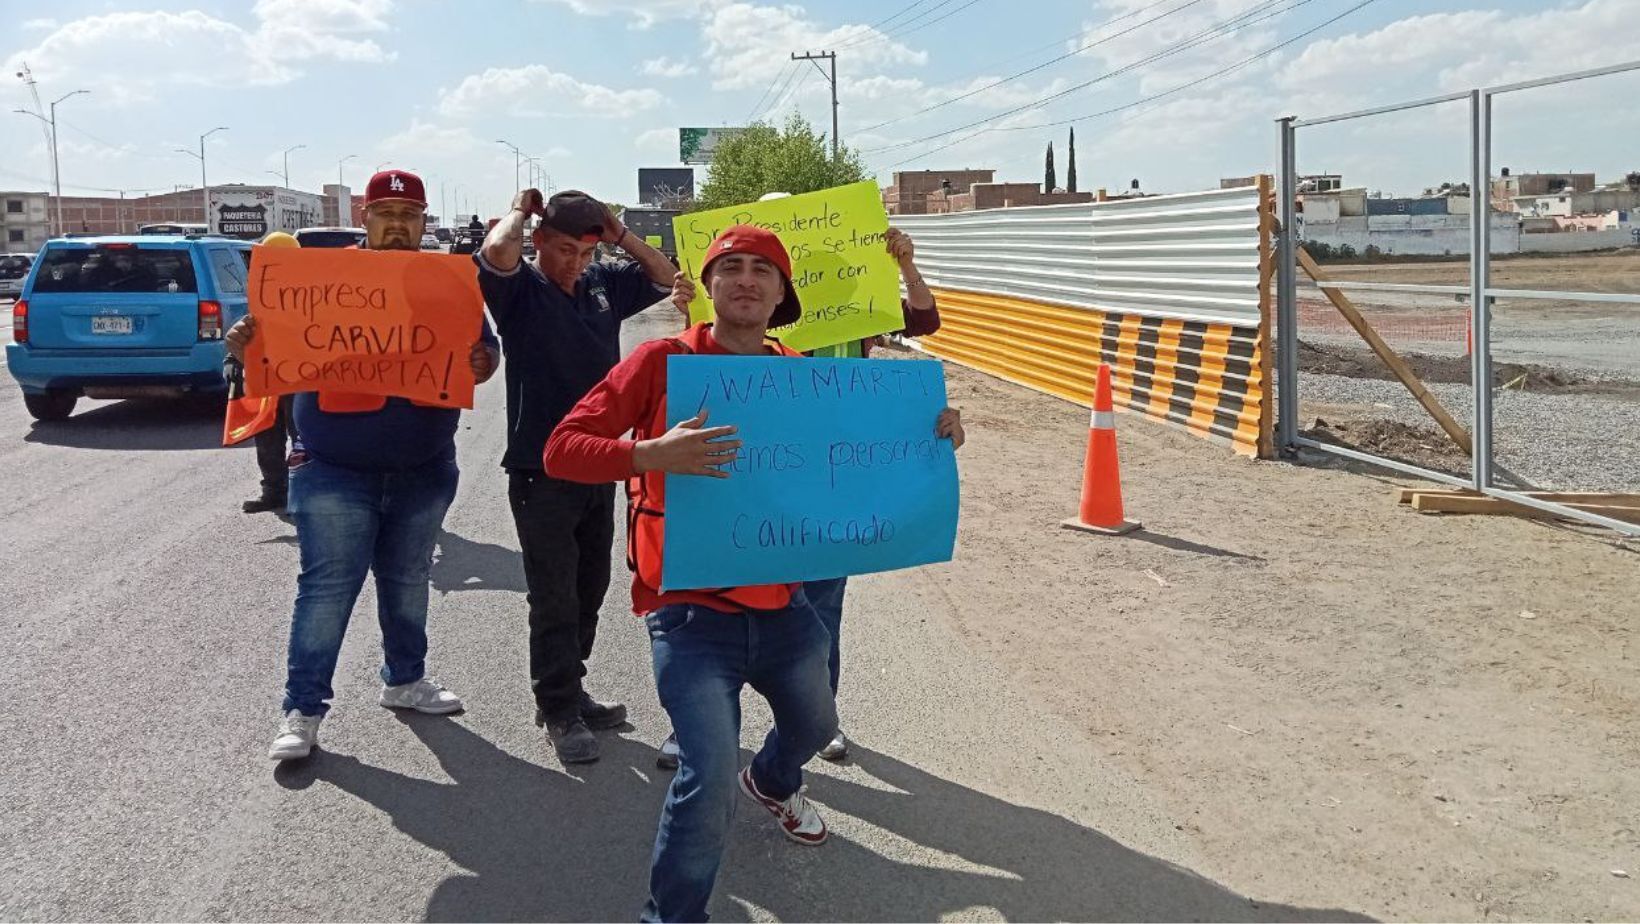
(839, 471)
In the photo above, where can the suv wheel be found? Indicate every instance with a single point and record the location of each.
(55, 404)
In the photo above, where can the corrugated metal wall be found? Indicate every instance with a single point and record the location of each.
(1172, 291)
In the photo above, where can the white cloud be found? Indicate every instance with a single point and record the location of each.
(37, 24)
(666, 67)
(749, 46)
(130, 55)
(537, 90)
(643, 13)
(324, 28)
(422, 140)
(657, 141)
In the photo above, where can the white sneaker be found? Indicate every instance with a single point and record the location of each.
(836, 749)
(797, 815)
(424, 695)
(298, 734)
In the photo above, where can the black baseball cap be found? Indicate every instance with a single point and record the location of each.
(575, 214)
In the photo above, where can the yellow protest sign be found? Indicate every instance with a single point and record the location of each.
(847, 282)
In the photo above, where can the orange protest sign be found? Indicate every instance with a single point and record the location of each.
(394, 323)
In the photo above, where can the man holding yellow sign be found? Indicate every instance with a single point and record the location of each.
(837, 240)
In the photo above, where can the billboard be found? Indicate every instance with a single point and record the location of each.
(697, 145)
(665, 185)
(249, 212)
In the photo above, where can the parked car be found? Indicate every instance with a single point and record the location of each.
(430, 241)
(13, 269)
(330, 237)
(126, 316)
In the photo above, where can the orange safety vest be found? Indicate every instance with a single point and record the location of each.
(646, 504)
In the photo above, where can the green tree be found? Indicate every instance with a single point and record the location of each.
(1070, 166)
(765, 159)
(1049, 181)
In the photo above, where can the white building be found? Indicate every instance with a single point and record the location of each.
(25, 221)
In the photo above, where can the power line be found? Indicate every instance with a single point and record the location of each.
(793, 93)
(1048, 63)
(778, 74)
(903, 10)
(1207, 35)
(1059, 43)
(902, 33)
(876, 33)
(790, 76)
(1139, 102)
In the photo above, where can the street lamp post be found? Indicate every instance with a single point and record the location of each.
(340, 218)
(56, 170)
(204, 184)
(518, 161)
(296, 147)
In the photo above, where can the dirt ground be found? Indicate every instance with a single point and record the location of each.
(1608, 271)
(1346, 703)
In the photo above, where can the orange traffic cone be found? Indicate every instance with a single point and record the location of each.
(1101, 475)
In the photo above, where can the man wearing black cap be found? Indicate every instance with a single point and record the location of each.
(559, 318)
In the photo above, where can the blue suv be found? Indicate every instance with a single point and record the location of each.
(123, 317)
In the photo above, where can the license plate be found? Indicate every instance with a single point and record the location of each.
(111, 325)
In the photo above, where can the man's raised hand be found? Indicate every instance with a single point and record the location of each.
(690, 448)
(530, 202)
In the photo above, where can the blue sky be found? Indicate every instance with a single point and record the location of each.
(595, 90)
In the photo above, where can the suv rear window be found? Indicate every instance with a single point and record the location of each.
(14, 267)
(328, 238)
(106, 269)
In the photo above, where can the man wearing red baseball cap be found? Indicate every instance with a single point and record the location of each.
(706, 645)
(560, 318)
(370, 496)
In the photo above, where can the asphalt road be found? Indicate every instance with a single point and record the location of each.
(143, 620)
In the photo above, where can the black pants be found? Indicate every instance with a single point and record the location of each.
(270, 453)
(566, 531)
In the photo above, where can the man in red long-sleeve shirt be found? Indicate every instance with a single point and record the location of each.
(707, 645)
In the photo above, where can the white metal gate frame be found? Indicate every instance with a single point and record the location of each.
(1480, 290)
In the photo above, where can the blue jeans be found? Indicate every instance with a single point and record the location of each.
(349, 523)
(827, 599)
(702, 660)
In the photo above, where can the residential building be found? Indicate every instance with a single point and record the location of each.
(25, 221)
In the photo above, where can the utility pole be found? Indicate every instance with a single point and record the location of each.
(831, 79)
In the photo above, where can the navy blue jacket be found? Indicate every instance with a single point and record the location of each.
(558, 346)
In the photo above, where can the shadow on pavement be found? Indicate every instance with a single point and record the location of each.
(1037, 866)
(138, 424)
(543, 845)
(462, 564)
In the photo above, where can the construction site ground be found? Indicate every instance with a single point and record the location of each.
(1344, 704)
(1566, 371)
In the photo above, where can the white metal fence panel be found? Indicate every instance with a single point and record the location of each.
(1192, 256)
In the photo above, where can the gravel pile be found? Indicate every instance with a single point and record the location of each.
(1557, 440)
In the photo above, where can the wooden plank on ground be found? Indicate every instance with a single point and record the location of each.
(1574, 498)
(1480, 504)
(1396, 364)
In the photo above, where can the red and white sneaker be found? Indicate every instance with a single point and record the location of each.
(797, 816)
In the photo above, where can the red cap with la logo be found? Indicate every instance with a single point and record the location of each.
(395, 184)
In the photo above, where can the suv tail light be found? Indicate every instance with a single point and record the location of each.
(210, 320)
(19, 322)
